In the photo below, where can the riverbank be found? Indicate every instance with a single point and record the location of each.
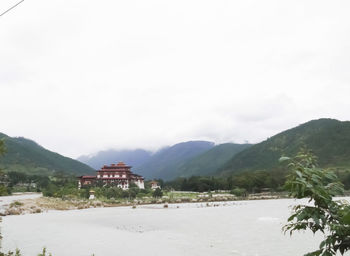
(39, 204)
(32, 203)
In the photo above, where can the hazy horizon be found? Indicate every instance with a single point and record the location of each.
(78, 77)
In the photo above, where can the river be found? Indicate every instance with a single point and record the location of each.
(241, 228)
(6, 200)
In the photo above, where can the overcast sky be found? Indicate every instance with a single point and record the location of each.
(79, 76)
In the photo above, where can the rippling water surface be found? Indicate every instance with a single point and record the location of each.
(241, 228)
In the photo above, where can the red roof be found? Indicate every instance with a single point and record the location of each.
(118, 166)
(121, 164)
(112, 178)
(88, 177)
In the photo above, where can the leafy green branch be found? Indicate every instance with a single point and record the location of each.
(322, 214)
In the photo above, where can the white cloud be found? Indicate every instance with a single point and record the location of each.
(79, 76)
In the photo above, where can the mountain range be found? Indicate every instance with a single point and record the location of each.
(184, 159)
(134, 158)
(165, 163)
(329, 139)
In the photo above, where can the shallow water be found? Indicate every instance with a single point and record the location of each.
(6, 200)
(241, 228)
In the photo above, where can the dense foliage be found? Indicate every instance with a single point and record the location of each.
(252, 182)
(3, 187)
(2, 147)
(65, 187)
(113, 192)
(26, 156)
(322, 214)
(329, 140)
(22, 182)
(62, 185)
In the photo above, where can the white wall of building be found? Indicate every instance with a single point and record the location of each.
(140, 184)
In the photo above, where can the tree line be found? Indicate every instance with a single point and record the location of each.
(252, 182)
(61, 184)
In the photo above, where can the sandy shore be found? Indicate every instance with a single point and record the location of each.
(35, 203)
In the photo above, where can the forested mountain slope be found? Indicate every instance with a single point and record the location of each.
(208, 162)
(27, 156)
(329, 139)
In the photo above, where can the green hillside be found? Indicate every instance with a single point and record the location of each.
(165, 163)
(27, 156)
(209, 162)
(329, 139)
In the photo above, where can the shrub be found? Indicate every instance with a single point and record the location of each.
(16, 204)
(157, 193)
(332, 218)
(238, 192)
(4, 191)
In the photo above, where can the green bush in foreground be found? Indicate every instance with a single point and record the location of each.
(332, 218)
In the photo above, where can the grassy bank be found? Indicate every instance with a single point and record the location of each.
(43, 204)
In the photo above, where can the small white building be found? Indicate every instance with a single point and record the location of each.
(154, 185)
(92, 195)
